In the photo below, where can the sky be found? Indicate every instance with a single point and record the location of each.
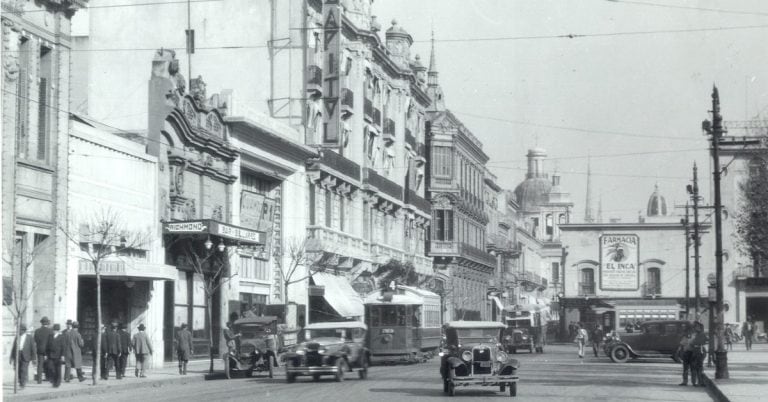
(631, 94)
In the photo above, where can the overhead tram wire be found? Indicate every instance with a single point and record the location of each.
(691, 8)
(154, 3)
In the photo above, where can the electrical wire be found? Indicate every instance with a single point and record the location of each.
(679, 7)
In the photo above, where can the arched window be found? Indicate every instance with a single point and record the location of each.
(653, 281)
(550, 225)
(587, 282)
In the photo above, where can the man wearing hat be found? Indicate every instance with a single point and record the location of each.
(27, 353)
(110, 351)
(124, 339)
(183, 348)
(55, 354)
(73, 352)
(142, 347)
(41, 342)
(67, 367)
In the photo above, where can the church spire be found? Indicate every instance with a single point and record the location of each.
(433, 86)
(600, 209)
(432, 73)
(588, 216)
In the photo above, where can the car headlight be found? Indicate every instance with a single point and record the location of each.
(300, 352)
(322, 350)
(466, 356)
(501, 357)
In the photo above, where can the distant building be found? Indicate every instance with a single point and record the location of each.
(616, 274)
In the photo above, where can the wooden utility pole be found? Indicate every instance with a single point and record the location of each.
(715, 131)
(686, 223)
(693, 190)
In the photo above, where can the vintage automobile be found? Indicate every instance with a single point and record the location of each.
(329, 348)
(525, 329)
(653, 339)
(473, 356)
(255, 349)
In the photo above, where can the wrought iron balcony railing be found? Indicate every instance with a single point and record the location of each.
(340, 164)
(587, 288)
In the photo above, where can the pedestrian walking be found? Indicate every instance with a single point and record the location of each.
(110, 351)
(698, 349)
(581, 338)
(124, 338)
(729, 335)
(55, 352)
(42, 335)
(748, 332)
(233, 339)
(67, 364)
(73, 351)
(183, 348)
(597, 339)
(142, 347)
(684, 354)
(27, 354)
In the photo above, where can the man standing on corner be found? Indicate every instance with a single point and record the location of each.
(27, 353)
(698, 344)
(597, 339)
(41, 343)
(748, 331)
(110, 349)
(184, 348)
(125, 350)
(142, 347)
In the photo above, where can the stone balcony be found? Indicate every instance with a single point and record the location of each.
(457, 249)
(321, 238)
(377, 182)
(382, 253)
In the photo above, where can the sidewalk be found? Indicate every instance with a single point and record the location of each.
(748, 375)
(168, 374)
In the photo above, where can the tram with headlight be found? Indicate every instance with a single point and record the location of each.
(404, 324)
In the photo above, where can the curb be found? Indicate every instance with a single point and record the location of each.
(103, 389)
(712, 386)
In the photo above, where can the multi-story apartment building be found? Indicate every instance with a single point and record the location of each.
(35, 96)
(501, 242)
(365, 112)
(456, 183)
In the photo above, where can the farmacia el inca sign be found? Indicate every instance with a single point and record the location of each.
(619, 262)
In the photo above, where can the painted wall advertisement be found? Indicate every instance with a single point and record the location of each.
(257, 212)
(619, 262)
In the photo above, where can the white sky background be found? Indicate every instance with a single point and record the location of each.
(655, 85)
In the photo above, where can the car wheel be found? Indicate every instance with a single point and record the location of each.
(315, 377)
(513, 389)
(619, 354)
(290, 378)
(363, 373)
(342, 367)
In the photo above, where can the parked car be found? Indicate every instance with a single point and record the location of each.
(652, 339)
(474, 355)
(329, 348)
(256, 347)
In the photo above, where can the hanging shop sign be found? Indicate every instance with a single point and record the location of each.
(215, 228)
(619, 262)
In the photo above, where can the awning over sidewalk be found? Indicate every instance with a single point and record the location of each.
(340, 294)
(129, 270)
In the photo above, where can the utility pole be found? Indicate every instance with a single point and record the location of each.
(715, 130)
(693, 190)
(686, 223)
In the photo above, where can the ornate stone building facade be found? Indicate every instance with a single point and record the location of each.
(35, 95)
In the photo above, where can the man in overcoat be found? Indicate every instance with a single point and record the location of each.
(183, 348)
(41, 342)
(73, 352)
(125, 349)
(27, 353)
(110, 351)
(67, 363)
(142, 347)
(55, 352)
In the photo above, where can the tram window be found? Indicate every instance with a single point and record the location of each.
(373, 318)
(401, 316)
(388, 315)
(416, 314)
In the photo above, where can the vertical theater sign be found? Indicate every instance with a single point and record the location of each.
(619, 262)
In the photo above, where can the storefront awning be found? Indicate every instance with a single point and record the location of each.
(129, 270)
(340, 294)
(216, 228)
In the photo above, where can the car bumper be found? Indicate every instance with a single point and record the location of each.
(485, 380)
(310, 370)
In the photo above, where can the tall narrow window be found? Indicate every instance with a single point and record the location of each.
(312, 219)
(555, 272)
(44, 105)
(587, 285)
(341, 213)
(654, 281)
(22, 100)
(550, 225)
(328, 208)
(366, 221)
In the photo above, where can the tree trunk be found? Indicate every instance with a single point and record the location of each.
(16, 358)
(285, 300)
(97, 350)
(210, 330)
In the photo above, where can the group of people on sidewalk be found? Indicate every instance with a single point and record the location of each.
(49, 348)
(692, 352)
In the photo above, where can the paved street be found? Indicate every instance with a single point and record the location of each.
(555, 376)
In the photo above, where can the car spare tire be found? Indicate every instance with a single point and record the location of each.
(620, 354)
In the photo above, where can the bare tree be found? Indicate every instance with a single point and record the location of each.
(107, 235)
(213, 268)
(18, 261)
(298, 256)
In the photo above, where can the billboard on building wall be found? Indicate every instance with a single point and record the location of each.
(619, 262)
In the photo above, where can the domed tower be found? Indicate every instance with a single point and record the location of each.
(657, 204)
(399, 44)
(534, 190)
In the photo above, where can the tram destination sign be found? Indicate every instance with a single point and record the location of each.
(619, 262)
